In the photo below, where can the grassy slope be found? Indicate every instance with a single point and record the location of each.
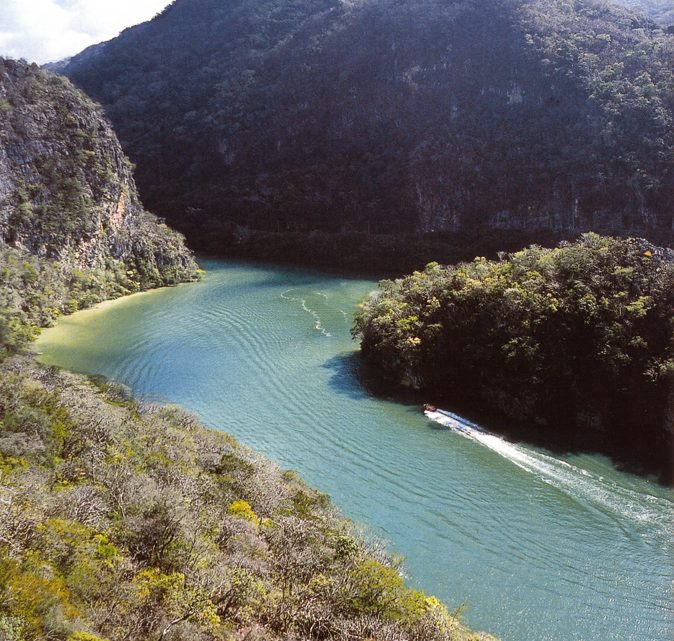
(125, 521)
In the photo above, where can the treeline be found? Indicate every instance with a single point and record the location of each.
(577, 342)
(124, 521)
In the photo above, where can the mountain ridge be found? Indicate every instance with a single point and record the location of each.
(385, 117)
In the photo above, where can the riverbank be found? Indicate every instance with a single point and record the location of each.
(363, 252)
(377, 254)
(175, 528)
(64, 334)
(264, 352)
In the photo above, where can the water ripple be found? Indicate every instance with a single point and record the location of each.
(542, 548)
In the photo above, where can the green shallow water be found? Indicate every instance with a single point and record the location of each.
(540, 548)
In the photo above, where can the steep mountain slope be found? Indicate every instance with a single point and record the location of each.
(66, 189)
(72, 229)
(389, 116)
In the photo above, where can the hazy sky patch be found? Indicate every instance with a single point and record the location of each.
(49, 30)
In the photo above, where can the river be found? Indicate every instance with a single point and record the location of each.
(541, 548)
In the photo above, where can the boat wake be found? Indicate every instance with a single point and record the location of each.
(589, 488)
(318, 325)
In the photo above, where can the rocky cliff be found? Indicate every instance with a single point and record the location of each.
(67, 192)
(381, 116)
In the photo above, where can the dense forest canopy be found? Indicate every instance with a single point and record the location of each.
(387, 116)
(576, 341)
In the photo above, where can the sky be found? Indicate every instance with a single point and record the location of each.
(50, 30)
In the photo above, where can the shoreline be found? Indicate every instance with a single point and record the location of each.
(33, 348)
(158, 318)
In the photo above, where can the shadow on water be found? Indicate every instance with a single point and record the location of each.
(354, 378)
(345, 378)
(265, 281)
(300, 270)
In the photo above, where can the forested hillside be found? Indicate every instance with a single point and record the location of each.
(387, 117)
(72, 228)
(575, 342)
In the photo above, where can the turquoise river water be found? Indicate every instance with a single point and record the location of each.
(541, 548)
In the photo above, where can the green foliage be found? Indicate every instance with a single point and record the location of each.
(379, 589)
(34, 291)
(579, 337)
(35, 598)
(11, 628)
(131, 522)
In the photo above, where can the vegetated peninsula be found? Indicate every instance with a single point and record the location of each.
(381, 133)
(577, 342)
(125, 521)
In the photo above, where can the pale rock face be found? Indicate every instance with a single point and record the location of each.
(66, 189)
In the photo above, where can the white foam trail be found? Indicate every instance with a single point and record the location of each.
(318, 326)
(576, 482)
